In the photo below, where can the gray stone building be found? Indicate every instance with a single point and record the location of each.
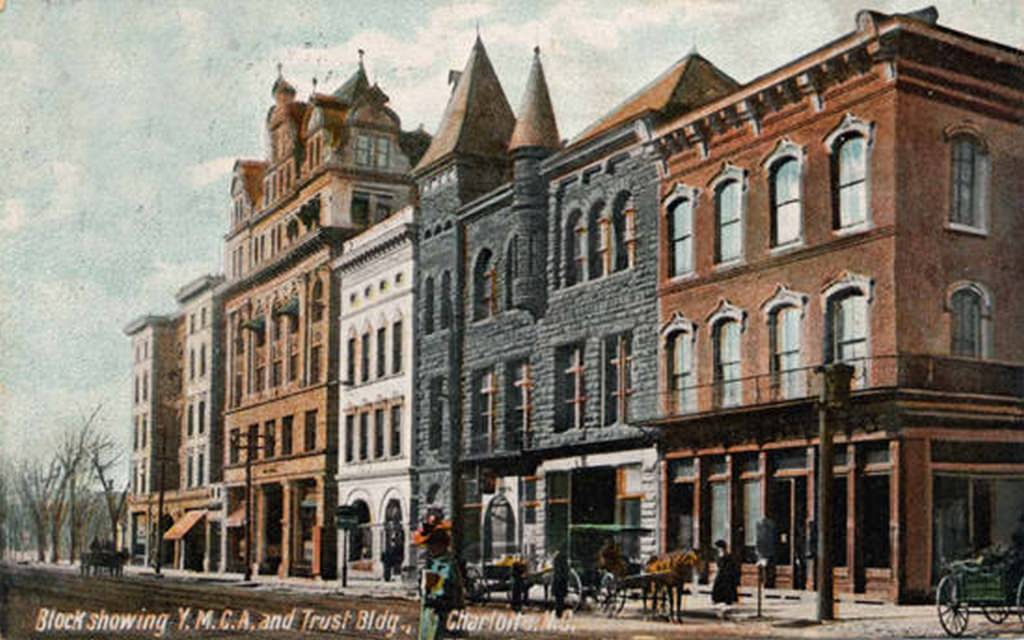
(537, 313)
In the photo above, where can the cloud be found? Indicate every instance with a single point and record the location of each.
(204, 173)
(14, 216)
(167, 277)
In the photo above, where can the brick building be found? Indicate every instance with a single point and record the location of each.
(176, 422)
(537, 290)
(335, 164)
(859, 204)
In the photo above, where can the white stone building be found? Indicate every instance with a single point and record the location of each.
(376, 393)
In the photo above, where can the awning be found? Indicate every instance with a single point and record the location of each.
(290, 308)
(237, 518)
(256, 324)
(183, 525)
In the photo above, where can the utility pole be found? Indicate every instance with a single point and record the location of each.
(170, 396)
(835, 395)
(252, 442)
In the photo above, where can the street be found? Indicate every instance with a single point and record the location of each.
(61, 603)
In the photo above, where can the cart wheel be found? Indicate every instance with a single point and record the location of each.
(476, 587)
(996, 615)
(1020, 600)
(953, 614)
(574, 597)
(605, 596)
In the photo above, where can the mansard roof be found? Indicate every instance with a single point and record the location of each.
(478, 119)
(536, 126)
(689, 83)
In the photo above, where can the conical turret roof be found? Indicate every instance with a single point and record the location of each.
(355, 85)
(536, 126)
(478, 119)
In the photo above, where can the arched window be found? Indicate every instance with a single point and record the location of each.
(681, 378)
(428, 305)
(597, 242)
(361, 538)
(850, 181)
(575, 249)
(726, 338)
(729, 221)
(785, 202)
(623, 233)
(446, 300)
(680, 233)
(784, 326)
(847, 331)
(967, 306)
(484, 286)
(318, 306)
(969, 181)
(499, 529)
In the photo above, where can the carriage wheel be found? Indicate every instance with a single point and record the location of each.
(1020, 600)
(953, 614)
(574, 597)
(476, 587)
(996, 615)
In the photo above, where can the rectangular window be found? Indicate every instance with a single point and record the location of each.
(363, 150)
(557, 512)
(364, 359)
(200, 466)
(202, 360)
(145, 431)
(618, 379)
(877, 541)
(396, 347)
(720, 511)
(286, 436)
(484, 396)
(787, 378)
(360, 209)
(570, 390)
(293, 365)
(728, 385)
(191, 420)
(190, 480)
(350, 437)
(785, 202)
(191, 364)
(382, 153)
(261, 373)
(275, 374)
(728, 213)
(382, 336)
(364, 435)
(530, 502)
(314, 364)
(518, 399)
(396, 430)
(252, 441)
(378, 433)
(310, 431)
(202, 417)
(628, 504)
(269, 439)
(751, 493)
(436, 431)
(850, 167)
(681, 232)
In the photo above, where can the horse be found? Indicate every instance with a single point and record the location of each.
(675, 570)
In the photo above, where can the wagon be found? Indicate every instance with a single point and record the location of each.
(971, 587)
(609, 587)
(483, 582)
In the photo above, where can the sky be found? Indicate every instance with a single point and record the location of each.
(120, 122)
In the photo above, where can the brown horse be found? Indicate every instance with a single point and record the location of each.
(674, 571)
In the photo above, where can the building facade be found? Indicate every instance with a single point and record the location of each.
(335, 165)
(858, 204)
(376, 275)
(537, 286)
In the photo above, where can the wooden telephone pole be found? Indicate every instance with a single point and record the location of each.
(253, 440)
(835, 395)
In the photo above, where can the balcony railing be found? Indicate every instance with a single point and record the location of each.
(919, 372)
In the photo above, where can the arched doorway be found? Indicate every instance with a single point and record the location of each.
(361, 542)
(394, 538)
(499, 529)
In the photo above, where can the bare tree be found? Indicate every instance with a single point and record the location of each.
(73, 454)
(36, 485)
(105, 456)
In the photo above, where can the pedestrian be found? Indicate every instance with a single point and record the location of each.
(441, 579)
(727, 579)
(559, 580)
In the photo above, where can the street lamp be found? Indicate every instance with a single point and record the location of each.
(253, 440)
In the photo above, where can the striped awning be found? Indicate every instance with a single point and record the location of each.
(184, 525)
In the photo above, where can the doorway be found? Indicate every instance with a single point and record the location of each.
(680, 516)
(788, 508)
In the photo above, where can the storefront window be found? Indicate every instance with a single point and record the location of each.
(751, 516)
(877, 541)
(719, 511)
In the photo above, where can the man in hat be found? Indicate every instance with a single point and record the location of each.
(441, 582)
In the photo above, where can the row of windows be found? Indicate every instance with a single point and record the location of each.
(192, 362)
(139, 433)
(601, 242)
(196, 418)
(271, 442)
(373, 151)
(141, 350)
(141, 384)
(192, 326)
(385, 441)
(849, 148)
(361, 350)
(368, 291)
(195, 465)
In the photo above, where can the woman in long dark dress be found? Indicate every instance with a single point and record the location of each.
(727, 579)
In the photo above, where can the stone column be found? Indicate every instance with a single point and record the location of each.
(259, 524)
(287, 531)
(206, 544)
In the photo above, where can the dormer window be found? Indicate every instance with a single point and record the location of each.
(382, 153)
(363, 150)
